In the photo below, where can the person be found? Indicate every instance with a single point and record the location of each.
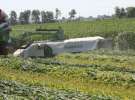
(4, 32)
(3, 17)
(60, 33)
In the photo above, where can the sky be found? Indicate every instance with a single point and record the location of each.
(84, 8)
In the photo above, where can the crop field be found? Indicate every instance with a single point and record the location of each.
(105, 28)
(93, 75)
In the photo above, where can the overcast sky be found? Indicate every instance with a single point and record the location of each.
(83, 7)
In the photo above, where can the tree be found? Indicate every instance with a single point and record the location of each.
(130, 12)
(27, 16)
(117, 12)
(72, 13)
(47, 16)
(120, 12)
(24, 17)
(35, 16)
(21, 18)
(123, 13)
(43, 17)
(50, 16)
(58, 13)
(13, 17)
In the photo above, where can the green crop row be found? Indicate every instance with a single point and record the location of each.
(13, 90)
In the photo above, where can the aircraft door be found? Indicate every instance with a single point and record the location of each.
(48, 52)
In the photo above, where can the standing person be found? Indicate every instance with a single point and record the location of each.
(60, 33)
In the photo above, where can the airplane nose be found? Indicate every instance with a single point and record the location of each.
(18, 53)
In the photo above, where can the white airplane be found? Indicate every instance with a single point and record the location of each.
(47, 49)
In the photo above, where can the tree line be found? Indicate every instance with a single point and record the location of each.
(37, 16)
(128, 12)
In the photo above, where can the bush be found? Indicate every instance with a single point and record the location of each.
(125, 40)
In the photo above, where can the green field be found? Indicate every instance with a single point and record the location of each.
(105, 28)
(93, 75)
